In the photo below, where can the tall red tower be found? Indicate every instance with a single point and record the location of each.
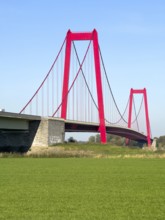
(91, 36)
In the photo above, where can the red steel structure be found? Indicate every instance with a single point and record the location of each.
(144, 93)
(90, 36)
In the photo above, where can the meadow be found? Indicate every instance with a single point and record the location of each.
(82, 188)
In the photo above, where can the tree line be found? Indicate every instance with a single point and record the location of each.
(161, 141)
(113, 139)
(120, 141)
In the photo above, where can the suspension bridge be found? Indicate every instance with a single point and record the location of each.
(76, 91)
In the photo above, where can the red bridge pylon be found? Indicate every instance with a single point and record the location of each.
(144, 93)
(91, 36)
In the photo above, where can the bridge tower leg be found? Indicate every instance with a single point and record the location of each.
(144, 92)
(92, 36)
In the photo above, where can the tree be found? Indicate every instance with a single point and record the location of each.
(97, 138)
(94, 139)
(71, 140)
(91, 139)
(161, 141)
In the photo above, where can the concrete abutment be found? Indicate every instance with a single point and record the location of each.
(50, 132)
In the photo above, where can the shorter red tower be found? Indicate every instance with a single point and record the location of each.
(144, 93)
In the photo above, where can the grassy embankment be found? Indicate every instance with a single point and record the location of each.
(90, 150)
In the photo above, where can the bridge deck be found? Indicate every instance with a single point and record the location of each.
(76, 126)
(72, 126)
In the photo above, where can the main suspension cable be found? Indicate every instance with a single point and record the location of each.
(44, 78)
(121, 115)
(85, 77)
(138, 111)
(80, 68)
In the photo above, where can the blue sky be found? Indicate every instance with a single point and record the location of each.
(131, 36)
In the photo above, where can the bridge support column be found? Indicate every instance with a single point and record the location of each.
(50, 132)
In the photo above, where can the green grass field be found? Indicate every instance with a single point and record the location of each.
(82, 188)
